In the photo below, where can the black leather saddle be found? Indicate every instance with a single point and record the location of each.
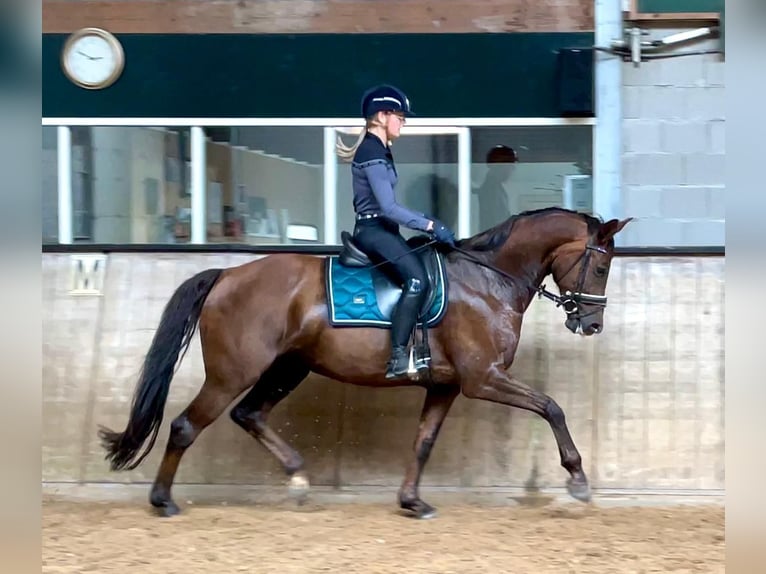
(387, 290)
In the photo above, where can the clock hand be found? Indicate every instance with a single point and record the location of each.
(90, 57)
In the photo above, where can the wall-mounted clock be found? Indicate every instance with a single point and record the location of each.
(93, 58)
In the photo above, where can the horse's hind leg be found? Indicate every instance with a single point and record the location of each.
(279, 380)
(210, 402)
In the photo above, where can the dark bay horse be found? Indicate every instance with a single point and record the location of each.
(264, 326)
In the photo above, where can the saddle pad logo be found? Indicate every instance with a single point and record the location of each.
(360, 300)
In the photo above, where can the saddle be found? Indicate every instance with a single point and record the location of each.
(362, 294)
(387, 292)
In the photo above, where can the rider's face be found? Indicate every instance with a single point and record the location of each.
(394, 122)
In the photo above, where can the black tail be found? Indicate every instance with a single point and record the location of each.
(174, 334)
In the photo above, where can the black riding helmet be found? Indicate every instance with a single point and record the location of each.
(385, 98)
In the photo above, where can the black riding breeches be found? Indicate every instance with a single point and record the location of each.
(381, 241)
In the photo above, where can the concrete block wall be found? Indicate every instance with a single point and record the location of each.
(674, 148)
(644, 400)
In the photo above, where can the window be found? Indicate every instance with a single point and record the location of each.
(537, 167)
(427, 166)
(129, 185)
(283, 184)
(262, 179)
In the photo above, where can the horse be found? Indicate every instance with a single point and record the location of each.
(265, 325)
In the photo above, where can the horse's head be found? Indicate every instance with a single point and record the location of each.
(575, 248)
(581, 270)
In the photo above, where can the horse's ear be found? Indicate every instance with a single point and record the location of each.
(611, 228)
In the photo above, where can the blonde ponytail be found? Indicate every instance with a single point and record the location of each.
(345, 152)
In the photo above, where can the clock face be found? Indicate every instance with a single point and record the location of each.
(92, 60)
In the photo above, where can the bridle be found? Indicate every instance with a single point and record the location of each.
(570, 301)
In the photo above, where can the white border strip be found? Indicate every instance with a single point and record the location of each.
(608, 133)
(65, 204)
(198, 186)
(330, 187)
(317, 122)
(464, 183)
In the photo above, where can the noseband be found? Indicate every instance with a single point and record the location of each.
(571, 301)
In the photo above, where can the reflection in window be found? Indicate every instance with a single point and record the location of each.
(50, 180)
(130, 185)
(514, 169)
(427, 166)
(262, 180)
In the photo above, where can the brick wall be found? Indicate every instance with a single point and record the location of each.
(674, 148)
(319, 16)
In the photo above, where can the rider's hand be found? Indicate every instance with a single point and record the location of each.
(443, 234)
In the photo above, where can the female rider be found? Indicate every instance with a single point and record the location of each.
(378, 215)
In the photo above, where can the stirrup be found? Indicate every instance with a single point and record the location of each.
(411, 370)
(422, 350)
(423, 360)
(393, 373)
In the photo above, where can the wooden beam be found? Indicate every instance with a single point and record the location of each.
(318, 16)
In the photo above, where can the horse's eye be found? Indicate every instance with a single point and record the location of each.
(600, 271)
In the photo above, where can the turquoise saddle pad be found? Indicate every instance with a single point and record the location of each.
(365, 297)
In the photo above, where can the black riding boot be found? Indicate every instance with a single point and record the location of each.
(403, 321)
(398, 364)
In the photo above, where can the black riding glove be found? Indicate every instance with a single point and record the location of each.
(443, 234)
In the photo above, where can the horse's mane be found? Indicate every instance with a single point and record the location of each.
(494, 237)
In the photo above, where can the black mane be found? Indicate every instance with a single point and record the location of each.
(494, 237)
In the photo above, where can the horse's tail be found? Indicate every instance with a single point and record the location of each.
(174, 334)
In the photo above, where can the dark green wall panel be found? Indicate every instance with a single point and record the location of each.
(679, 6)
(317, 75)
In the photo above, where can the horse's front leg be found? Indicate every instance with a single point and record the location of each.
(500, 387)
(438, 401)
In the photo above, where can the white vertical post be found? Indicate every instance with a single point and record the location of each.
(198, 186)
(330, 187)
(464, 183)
(607, 133)
(64, 150)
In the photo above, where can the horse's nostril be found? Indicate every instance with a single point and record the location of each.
(596, 327)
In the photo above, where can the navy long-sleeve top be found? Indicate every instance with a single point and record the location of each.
(374, 177)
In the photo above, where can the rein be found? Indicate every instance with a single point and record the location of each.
(570, 301)
(397, 258)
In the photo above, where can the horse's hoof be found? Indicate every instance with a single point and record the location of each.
(167, 509)
(298, 487)
(579, 490)
(419, 509)
(426, 513)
